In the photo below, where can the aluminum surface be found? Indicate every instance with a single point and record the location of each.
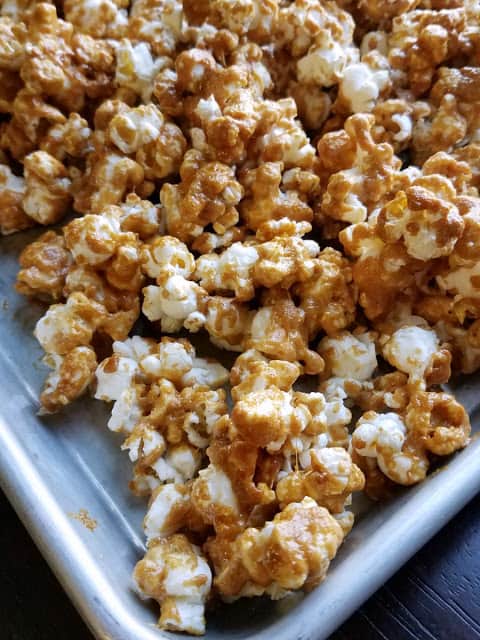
(51, 467)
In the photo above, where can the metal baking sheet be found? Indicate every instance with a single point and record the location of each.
(51, 468)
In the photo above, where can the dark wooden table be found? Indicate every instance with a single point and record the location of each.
(436, 596)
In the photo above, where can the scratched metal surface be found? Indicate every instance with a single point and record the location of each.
(53, 467)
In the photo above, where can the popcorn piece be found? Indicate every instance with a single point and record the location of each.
(304, 536)
(265, 200)
(228, 323)
(350, 355)
(158, 145)
(175, 302)
(176, 575)
(12, 191)
(232, 270)
(136, 68)
(266, 418)
(330, 479)
(69, 325)
(72, 374)
(214, 499)
(47, 188)
(327, 298)
(108, 178)
(278, 330)
(44, 266)
(156, 22)
(428, 224)
(167, 255)
(354, 191)
(93, 239)
(166, 511)
(384, 437)
(411, 350)
(141, 217)
(441, 423)
(285, 141)
(207, 194)
(97, 18)
(70, 138)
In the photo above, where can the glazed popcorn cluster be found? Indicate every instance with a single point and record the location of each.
(296, 181)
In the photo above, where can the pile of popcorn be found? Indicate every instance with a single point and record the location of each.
(296, 181)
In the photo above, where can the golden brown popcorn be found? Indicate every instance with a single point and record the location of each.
(141, 217)
(136, 68)
(123, 306)
(266, 418)
(228, 322)
(44, 266)
(176, 575)
(438, 421)
(319, 36)
(422, 40)
(330, 480)
(47, 188)
(380, 12)
(207, 194)
(353, 192)
(439, 129)
(251, 18)
(156, 22)
(386, 438)
(292, 551)
(99, 19)
(267, 198)
(284, 261)
(11, 85)
(63, 66)
(280, 137)
(456, 170)
(328, 298)
(158, 145)
(107, 179)
(69, 325)
(464, 85)
(230, 109)
(71, 375)
(313, 104)
(254, 372)
(470, 154)
(232, 270)
(12, 191)
(31, 118)
(12, 44)
(69, 139)
(424, 218)
(278, 330)
(394, 121)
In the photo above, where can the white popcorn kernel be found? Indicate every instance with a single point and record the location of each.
(205, 373)
(362, 85)
(126, 412)
(410, 349)
(114, 375)
(158, 522)
(385, 430)
(324, 63)
(350, 356)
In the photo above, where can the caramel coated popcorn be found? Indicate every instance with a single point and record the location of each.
(293, 182)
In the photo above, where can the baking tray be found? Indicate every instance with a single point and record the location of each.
(51, 468)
